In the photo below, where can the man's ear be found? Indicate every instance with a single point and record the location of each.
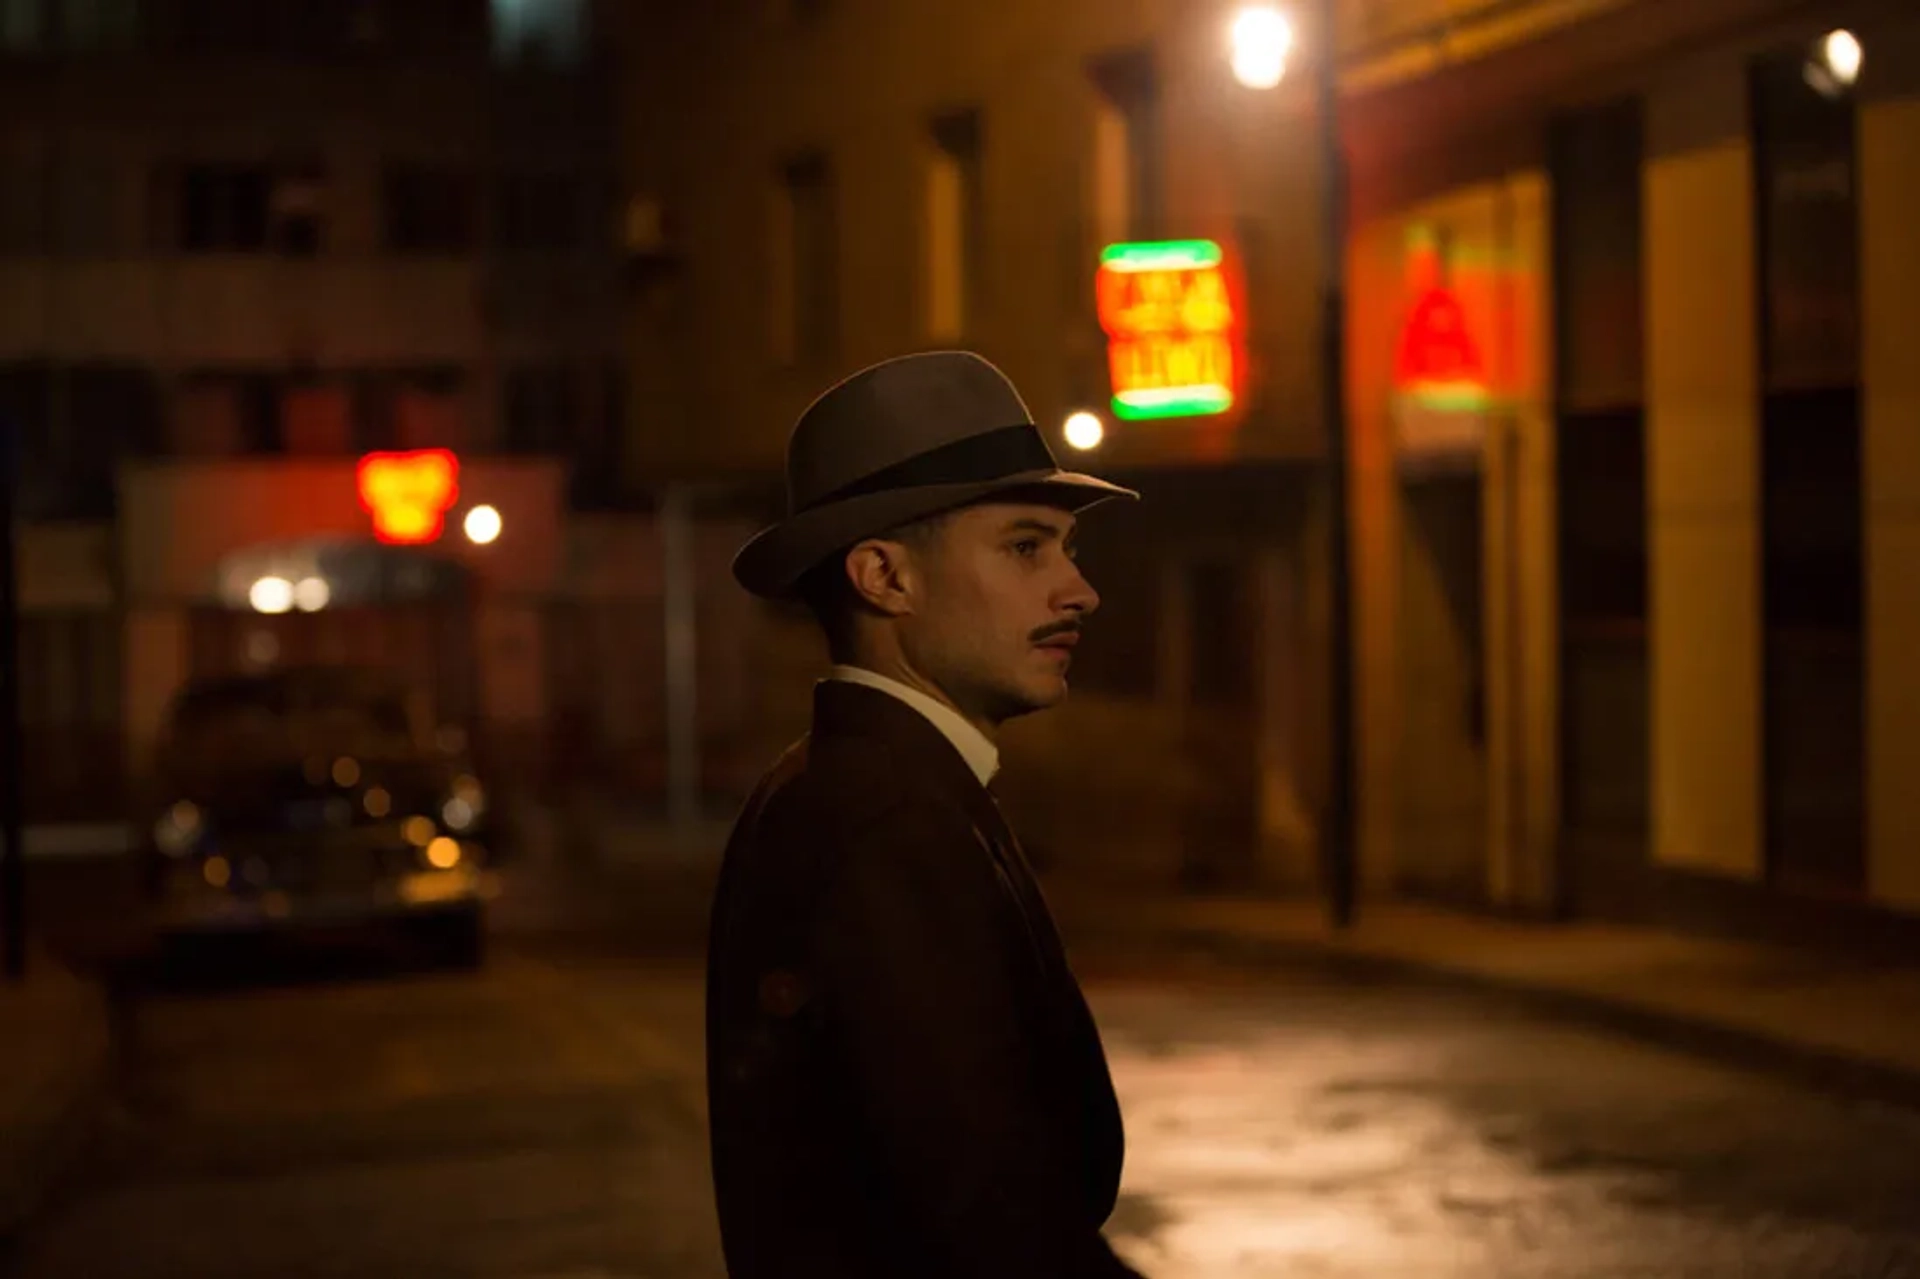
(883, 575)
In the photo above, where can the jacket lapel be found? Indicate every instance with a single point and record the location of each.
(846, 708)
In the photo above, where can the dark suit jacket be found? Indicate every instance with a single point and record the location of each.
(903, 1077)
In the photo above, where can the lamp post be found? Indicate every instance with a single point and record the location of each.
(1262, 40)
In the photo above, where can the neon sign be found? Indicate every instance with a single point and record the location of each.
(409, 494)
(1171, 329)
(1437, 362)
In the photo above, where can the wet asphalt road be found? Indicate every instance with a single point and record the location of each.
(541, 1120)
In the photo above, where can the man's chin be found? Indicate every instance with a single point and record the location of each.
(1044, 696)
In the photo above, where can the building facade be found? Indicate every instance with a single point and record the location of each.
(1628, 285)
(243, 246)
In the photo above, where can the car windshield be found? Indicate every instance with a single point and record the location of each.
(275, 716)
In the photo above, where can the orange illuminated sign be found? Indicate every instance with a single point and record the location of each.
(1172, 334)
(409, 494)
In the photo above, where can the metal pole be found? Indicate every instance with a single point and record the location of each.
(13, 873)
(1339, 840)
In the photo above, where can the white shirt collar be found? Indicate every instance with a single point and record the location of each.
(981, 755)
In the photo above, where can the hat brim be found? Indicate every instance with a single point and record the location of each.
(772, 563)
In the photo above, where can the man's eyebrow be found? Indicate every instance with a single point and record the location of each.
(1029, 524)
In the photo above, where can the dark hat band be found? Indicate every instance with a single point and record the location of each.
(991, 455)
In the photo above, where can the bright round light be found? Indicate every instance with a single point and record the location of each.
(1085, 431)
(457, 813)
(483, 525)
(1261, 38)
(271, 595)
(311, 594)
(443, 853)
(1843, 55)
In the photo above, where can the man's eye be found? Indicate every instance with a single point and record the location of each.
(1027, 546)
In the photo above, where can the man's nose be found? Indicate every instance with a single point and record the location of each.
(1078, 596)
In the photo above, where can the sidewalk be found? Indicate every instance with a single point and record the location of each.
(54, 1063)
(1833, 1020)
(1840, 1022)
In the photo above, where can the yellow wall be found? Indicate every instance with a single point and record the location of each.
(1889, 143)
(1703, 478)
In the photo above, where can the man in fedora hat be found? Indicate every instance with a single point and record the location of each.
(903, 1077)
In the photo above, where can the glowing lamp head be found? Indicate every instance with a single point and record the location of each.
(1842, 53)
(1085, 431)
(483, 525)
(1260, 39)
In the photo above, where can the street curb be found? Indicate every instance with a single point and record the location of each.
(1848, 1077)
(40, 1159)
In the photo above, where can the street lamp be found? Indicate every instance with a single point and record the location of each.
(482, 525)
(1084, 430)
(1833, 67)
(1262, 37)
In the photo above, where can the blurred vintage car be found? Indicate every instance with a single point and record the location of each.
(316, 797)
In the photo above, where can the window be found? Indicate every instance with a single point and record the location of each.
(1596, 157)
(538, 212)
(549, 32)
(1811, 509)
(1127, 181)
(541, 411)
(216, 208)
(224, 209)
(23, 26)
(318, 417)
(956, 216)
(111, 412)
(220, 414)
(427, 210)
(425, 26)
(99, 25)
(1597, 234)
(805, 294)
(295, 217)
(1809, 227)
(75, 423)
(428, 410)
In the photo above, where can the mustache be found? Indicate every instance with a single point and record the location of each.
(1047, 632)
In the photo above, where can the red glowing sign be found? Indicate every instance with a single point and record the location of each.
(409, 494)
(1171, 329)
(1437, 362)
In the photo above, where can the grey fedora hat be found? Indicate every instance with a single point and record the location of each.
(896, 442)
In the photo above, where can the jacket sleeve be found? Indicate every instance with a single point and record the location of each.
(918, 986)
